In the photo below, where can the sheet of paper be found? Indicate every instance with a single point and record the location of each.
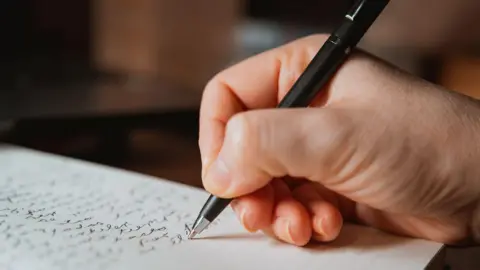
(59, 213)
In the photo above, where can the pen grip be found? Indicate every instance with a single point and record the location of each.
(317, 74)
(213, 207)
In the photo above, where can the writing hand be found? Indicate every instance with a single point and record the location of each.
(378, 147)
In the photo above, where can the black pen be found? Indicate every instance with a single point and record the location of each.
(317, 74)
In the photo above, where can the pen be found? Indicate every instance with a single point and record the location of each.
(319, 71)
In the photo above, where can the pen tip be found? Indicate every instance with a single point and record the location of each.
(192, 234)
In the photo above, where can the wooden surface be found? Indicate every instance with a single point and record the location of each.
(95, 96)
(462, 74)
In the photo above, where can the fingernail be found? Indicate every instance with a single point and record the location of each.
(319, 227)
(284, 228)
(218, 175)
(289, 232)
(241, 213)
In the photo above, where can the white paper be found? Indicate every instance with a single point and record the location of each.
(59, 213)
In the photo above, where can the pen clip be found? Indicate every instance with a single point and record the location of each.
(365, 12)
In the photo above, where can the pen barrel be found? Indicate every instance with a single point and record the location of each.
(213, 207)
(333, 53)
(317, 74)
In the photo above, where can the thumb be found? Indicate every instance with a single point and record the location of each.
(265, 144)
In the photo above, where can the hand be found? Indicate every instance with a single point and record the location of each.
(378, 147)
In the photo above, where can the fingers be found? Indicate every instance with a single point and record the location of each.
(255, 210)
(273, 210)
(308, 212)
(257, 82)
(326, 219)
(264, 144)
(304, 214)
(291, 222)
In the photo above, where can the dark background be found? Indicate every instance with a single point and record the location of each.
(47, 81)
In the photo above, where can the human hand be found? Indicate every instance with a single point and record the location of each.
(378, 147)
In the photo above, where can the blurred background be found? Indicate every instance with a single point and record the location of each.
(119, 82)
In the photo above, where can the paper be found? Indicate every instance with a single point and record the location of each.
(59, 213)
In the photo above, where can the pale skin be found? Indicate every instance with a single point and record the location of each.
(378, 147)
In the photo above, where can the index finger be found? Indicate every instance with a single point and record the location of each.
(255, 83)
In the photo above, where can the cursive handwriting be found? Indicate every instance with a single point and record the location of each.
(70, 215)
